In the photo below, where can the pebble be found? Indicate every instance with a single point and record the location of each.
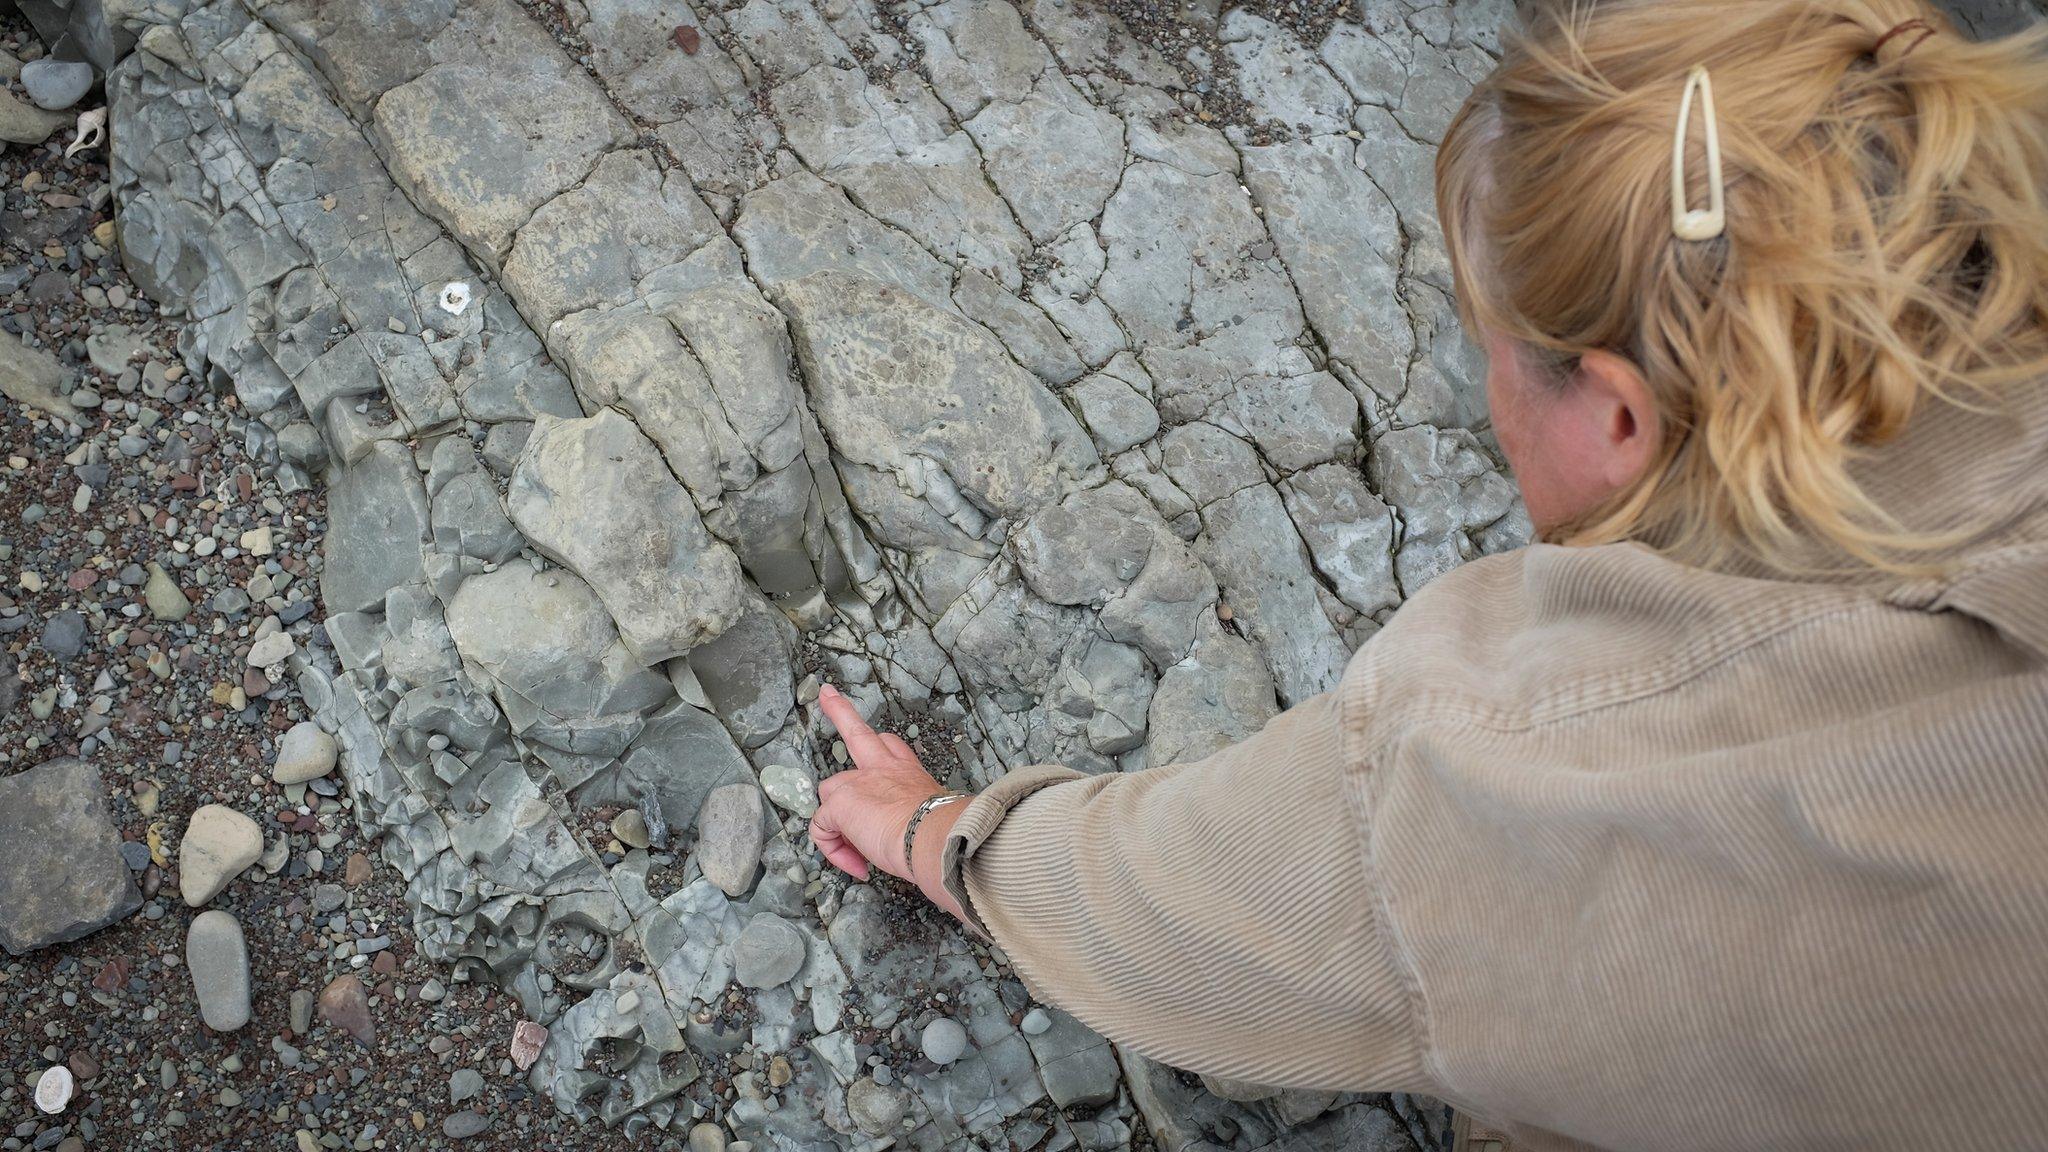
(219, 844)
(876, 1110)
(1036, 1022)
(272, 649)
(164, 599)
(631, 828)
(791, 788)
(527, 1040)
(769, 953)
(135, 854)
(345, 1004)
(729, 837)
(707, 1138)
(217, 957)
(64, 635)
(464, 1084)
(304, 753)
(433, 991)
(56, 84)
(301, 1011)
(463, 1125)
(944, 1040)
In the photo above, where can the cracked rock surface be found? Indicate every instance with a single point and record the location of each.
(1063, 389)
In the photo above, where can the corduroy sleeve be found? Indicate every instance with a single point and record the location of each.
(1218, 916)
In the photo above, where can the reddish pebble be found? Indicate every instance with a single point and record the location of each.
(82, 579)
(346, 1005)
(385, 963)
(356, 872)
(688, 38)
(112, 978)
(527, 1039)
(245, 485)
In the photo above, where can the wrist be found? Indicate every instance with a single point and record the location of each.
(928, 853)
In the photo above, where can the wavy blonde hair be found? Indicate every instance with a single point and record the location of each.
(1886, 246)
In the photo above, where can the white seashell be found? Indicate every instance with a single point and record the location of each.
(92, 132)
(454, 297)
(53, 1091)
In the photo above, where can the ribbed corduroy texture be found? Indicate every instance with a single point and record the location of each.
(1617, 853)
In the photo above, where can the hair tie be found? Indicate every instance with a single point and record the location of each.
(1697, 223)
(1915, 24)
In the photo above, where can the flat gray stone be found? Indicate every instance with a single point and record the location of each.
(769, 953)
(218, 958)
(729, 837)
(62, 874)
(377, 521)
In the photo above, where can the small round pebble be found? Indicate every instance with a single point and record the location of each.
(944, 1040)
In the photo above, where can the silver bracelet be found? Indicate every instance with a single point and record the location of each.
(923, 810)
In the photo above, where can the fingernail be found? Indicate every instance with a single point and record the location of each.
(827, 690)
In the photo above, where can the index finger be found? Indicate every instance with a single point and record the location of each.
(862, 743)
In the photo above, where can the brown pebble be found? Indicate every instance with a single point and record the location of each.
(345, 1004)
(385, 963)
(83, 1066)
(356, 872)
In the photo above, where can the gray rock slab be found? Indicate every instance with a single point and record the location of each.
(1078, 1067)
(377, 522)
(217, 957)
(595, 495)
(931, 402)
(61, 874)
(483, 176)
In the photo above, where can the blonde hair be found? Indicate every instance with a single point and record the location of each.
(1886, 244)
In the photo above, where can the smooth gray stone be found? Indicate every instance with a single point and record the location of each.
(218, 958)
(61, 870)
(729, 837)
(769, 953)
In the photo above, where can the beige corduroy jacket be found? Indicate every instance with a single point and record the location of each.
(1613, 852)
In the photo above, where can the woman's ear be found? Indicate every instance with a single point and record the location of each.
(1621, 413)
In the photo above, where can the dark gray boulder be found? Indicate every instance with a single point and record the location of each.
(61, 872)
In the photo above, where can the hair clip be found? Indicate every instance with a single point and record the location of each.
(1697, 223)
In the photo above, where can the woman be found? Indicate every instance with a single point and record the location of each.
(1720, 819)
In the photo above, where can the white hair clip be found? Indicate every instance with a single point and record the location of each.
(1697, 223)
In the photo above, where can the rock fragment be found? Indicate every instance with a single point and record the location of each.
(304, 753)
(217, 957)
(62, 874)
(345, 1004)
(219, 844)
(729, 837)
(769, 953)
